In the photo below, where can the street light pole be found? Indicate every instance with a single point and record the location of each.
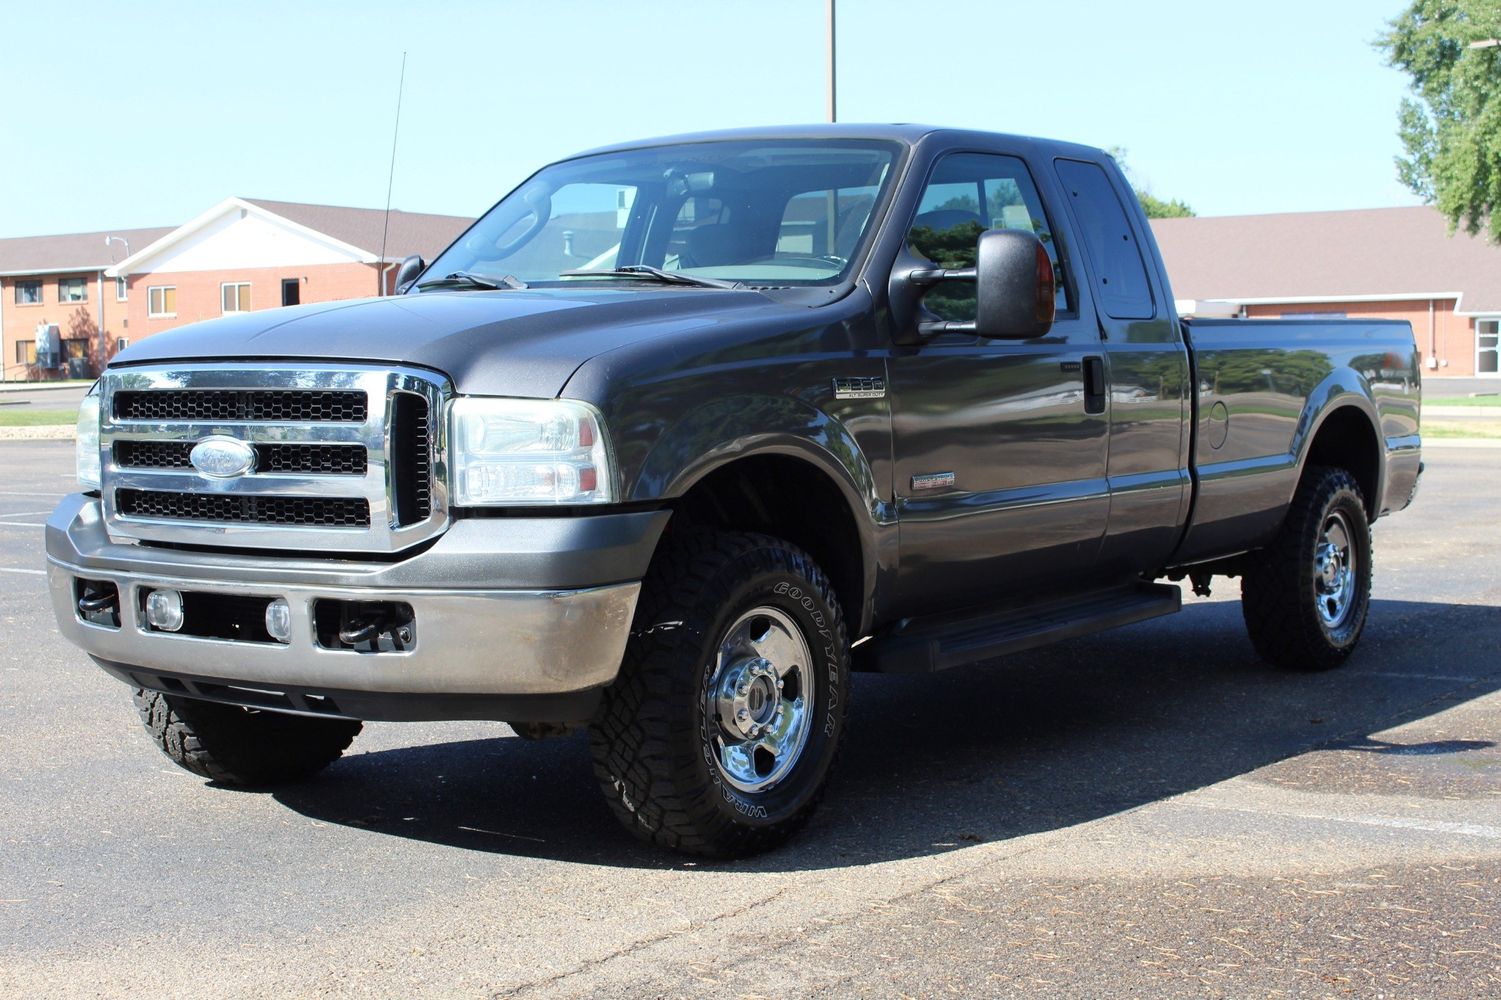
(833, 103)
(103, 351)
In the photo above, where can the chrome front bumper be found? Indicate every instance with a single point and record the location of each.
(469, 640)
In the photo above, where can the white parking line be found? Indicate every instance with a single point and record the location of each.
(1405, 676)
(28, 572)
(1393, 822)
(23, 513)
(22, 524)
(29, 493)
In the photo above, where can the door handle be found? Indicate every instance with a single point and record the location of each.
(1094, 385)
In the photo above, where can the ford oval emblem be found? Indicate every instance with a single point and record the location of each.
(222, 457)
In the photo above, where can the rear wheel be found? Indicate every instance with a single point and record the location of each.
(1306, 596)
(720, 733)
(242, 746)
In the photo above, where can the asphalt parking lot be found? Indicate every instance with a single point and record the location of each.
(1147, 812)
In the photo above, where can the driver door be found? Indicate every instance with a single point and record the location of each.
(999, 455)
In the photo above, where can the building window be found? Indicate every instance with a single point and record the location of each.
(121, 343)
(25, 352)
(72, 290)
(28, 293)
(1487, 346)
(235, 296)
(161, 301)
(291, 292)
(122, 291)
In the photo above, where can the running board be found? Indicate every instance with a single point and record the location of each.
(923, 645)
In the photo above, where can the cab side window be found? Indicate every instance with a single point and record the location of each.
(967, 194)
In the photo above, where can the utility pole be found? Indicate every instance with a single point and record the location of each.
(103, 348)
(833, 102)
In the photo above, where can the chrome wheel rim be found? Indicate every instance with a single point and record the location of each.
(1334, 571)
(760, 700)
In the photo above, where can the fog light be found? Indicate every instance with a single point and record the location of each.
(279, 620)
(164, 610)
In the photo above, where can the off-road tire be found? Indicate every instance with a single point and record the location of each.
(652, 739)
(1279, 590)
(241, 746)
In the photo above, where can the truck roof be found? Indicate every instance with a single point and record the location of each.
(906, 133)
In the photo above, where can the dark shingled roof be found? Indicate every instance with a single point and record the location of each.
(1387, 252)
(411, 232)
(73, 252)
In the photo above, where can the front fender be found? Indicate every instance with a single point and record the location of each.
(717, 433)
(720, 432)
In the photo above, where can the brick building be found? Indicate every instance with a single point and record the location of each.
(238, 256)
(1394, 263)
(247, 254)
(60, 281)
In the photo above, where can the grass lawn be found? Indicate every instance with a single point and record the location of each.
(1462, 401)
(28, 416)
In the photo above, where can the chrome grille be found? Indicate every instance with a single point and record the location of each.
(324, 459)
(328, 512)
(345, 458)
(300, 405)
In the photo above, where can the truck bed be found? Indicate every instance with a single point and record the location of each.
(1263, 388)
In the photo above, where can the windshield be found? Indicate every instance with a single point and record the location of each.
(755, 212)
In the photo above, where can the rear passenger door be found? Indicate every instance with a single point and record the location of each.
(999, 457)
(1146, 371)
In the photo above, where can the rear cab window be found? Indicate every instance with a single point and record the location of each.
(1122, 286)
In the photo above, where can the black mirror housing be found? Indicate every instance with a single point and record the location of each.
(1015, 286)
(409, 271)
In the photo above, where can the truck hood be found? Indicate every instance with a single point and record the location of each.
(504, 343)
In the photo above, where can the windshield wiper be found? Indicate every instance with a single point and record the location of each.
(647, 271)
(469, 279)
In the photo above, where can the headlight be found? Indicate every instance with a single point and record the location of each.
(528, 451)
(86, 452)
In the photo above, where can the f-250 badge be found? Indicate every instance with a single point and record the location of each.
(860, 387)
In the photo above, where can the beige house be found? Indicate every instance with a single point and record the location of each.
(1397, 263)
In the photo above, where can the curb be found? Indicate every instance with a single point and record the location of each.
(41, 386)
(1461, 443)
(43, 432)
(1462, 411)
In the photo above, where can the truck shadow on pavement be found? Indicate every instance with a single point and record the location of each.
(1047, 740)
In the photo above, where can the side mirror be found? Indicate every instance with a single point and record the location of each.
(410, 270)
(1015, 285)
(1015, 288)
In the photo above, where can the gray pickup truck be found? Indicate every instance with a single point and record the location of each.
(682, 432)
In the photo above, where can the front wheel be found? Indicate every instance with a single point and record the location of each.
(1306, 596)
(719, 734)
(241, 746)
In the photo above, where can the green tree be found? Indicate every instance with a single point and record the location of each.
(1452, 129)
(1155, 207)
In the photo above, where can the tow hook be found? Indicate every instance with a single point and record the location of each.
(362, 630)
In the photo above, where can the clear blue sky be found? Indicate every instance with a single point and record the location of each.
(146, 113)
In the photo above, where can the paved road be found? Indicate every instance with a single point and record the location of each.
(1150, 812)
(1459, 386)
(62, 398)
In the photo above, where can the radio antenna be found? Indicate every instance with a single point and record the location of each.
(380, 270)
